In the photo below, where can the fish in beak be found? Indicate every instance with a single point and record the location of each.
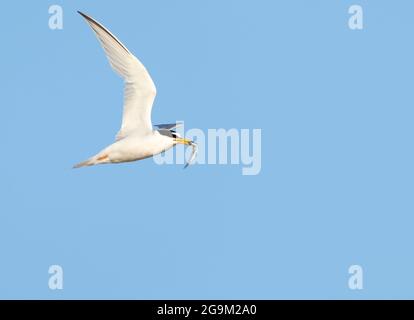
(188, 143)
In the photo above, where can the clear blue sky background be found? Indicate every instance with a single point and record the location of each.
(336, 188)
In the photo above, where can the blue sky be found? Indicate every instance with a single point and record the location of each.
(335, 107)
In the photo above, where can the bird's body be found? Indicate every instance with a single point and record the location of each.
(137, 139)
(131, 148)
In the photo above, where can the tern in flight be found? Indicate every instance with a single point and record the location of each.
(137, 139)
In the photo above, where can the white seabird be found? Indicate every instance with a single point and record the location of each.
(136, 139)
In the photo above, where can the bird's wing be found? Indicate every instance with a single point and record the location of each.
(140, 90)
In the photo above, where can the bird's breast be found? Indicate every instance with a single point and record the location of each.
(136, 147)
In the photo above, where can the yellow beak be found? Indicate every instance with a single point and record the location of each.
(183, 141)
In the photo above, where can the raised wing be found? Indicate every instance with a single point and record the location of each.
(140, 90)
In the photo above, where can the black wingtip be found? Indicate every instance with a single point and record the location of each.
(86, 16)
(83, 15)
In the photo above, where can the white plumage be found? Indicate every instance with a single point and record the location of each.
(136, 139)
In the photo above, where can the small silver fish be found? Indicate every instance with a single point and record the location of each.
(194, 146)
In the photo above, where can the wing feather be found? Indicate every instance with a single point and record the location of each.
(139, 92)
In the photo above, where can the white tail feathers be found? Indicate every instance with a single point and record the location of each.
(86, 163)
(92, 161)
